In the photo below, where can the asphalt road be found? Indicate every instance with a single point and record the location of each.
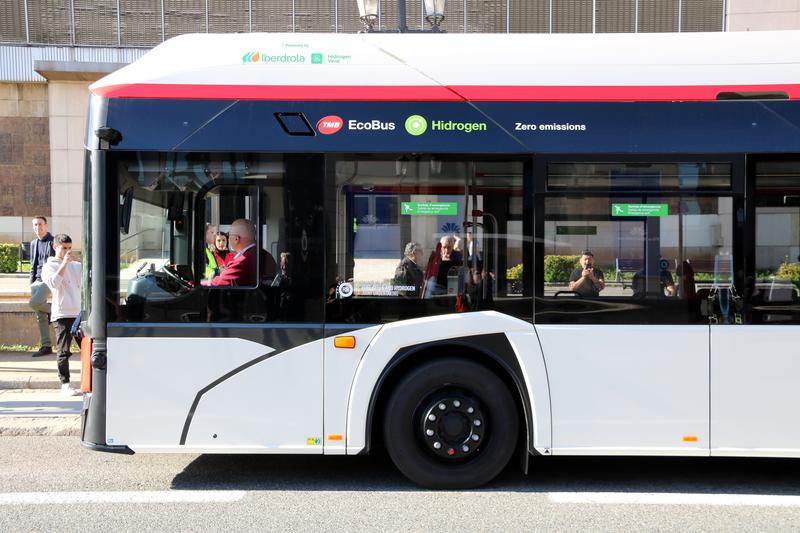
(50, 483)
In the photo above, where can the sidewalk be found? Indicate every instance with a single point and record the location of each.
(30, 402)
(18, 370)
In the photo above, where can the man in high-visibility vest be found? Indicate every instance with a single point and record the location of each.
(212, 268)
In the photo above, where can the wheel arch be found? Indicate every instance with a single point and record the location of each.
(493, 350)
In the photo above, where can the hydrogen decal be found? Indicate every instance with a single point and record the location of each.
(330, 124)
(370, 125)
(553, 126)
(313, 441)
(316, 59)
(263, 57)
(416, 125)
(449, 125)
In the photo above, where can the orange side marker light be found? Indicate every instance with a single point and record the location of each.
(335, 437)
(86, 364)
(689, 438)
(347, 341)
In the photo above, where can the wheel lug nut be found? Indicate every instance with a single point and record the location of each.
(465, 448)
(477, 423)
(437, 445)
(456, 403)
(470, 410)
(432, 417)
(442, 407)
(475, 437)
(429, 432)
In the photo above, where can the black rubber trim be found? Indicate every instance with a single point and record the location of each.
(216, 382)
(106, 448)
(494, 345)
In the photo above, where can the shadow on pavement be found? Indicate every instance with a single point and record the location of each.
(546, 474)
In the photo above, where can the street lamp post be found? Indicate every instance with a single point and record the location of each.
(434, 14)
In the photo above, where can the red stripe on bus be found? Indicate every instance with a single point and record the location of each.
(495, 93)
(617, 93)
(278, 92)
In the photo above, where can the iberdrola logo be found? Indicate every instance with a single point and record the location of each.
(416, 125)
(251, 57)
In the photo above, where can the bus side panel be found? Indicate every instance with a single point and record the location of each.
(529, 353)
(340, 370)
(628, 390)
(395, 336)
(153, 381)
(754, 390)
(274, 406)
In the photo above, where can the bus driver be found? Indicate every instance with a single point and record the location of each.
(241, 270)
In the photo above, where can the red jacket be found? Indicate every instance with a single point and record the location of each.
(239, 272)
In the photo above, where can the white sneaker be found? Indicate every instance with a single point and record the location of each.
(66, 390)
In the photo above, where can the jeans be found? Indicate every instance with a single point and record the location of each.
(63, 342)
(38, 302)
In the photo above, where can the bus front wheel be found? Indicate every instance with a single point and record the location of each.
(450, 424)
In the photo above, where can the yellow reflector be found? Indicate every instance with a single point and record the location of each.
(689, 438)
(345, 342)
(334, 437)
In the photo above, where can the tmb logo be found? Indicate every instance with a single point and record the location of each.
(330, 124)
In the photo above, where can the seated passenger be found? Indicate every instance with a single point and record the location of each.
(283, 286)
(667, 284)
(439, 265)
(408, 273)
(241, 270)
(587, 281)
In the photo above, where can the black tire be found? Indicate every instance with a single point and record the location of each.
(405, 422)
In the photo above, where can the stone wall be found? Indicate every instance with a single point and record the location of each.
(24, 150)
(753, 15)
(68, 103)
(18, 324)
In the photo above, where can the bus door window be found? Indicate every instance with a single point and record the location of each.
(776, 292)
(416, 237)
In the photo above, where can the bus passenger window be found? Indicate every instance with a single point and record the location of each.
(776, 290)
(638, 257)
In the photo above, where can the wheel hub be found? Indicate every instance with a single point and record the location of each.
(453, 427)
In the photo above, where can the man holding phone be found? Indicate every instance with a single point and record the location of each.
(63, 275)
(587, 281)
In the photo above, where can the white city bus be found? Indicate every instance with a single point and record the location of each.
(494, 162)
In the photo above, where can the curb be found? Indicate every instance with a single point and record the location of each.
(30, 383)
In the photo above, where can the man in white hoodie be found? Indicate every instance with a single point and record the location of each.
(63, 275)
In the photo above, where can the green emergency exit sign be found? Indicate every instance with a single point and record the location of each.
(428, 208)
(639, 210)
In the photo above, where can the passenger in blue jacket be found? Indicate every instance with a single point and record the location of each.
(41, 251)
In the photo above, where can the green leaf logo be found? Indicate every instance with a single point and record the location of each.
(416, 125)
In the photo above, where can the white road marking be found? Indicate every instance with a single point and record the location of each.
(678, 498)
(155, 496)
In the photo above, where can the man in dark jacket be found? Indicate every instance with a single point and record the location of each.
(41, 250)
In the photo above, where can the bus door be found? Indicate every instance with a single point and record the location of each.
(219, 299)
(627, 254)
(756, 326)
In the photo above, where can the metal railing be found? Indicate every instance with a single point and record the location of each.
(145, 23)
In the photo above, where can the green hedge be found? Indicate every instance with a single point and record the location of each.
(789, 271)
(557, 268)
(9, 256)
